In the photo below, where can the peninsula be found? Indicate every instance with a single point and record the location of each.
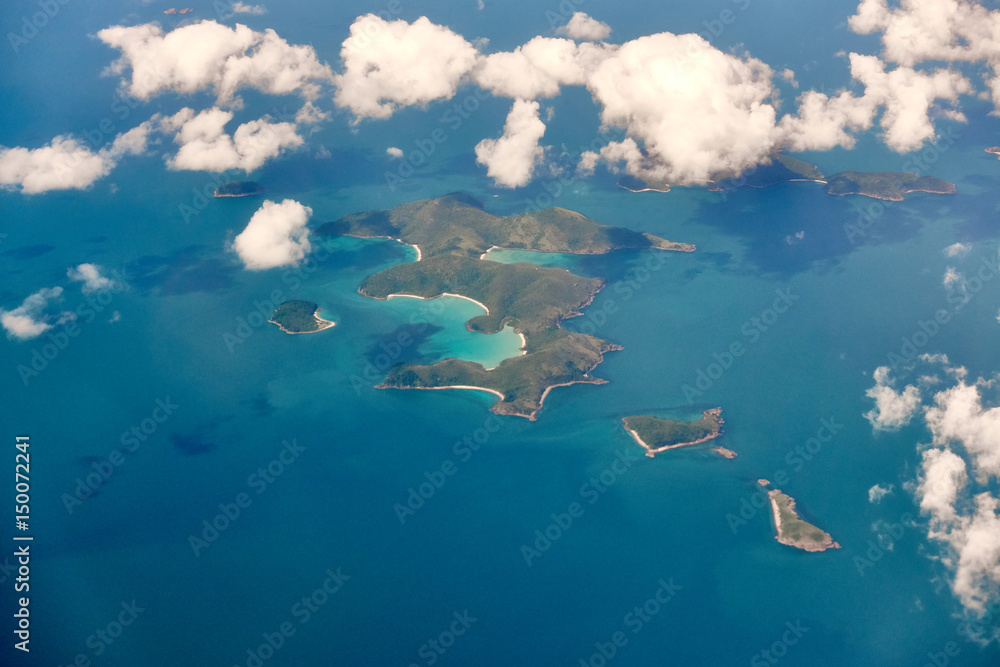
(791, 529)
(657, 435)
(453, 232)
(299, 317)
(239, 189)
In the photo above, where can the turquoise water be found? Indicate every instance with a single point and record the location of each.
(335, 504)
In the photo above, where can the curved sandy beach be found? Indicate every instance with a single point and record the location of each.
(429, 298)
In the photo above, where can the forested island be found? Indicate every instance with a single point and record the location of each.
(299, 317)
(657, 435)
(791, 529)
(239, 189)
(889, 185)
(451, 234)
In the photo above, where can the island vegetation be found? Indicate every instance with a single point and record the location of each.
(889, 185)
(790, 529)
(657, 435)
(239, 189)
(452, 233)
(781, 168)
(299, 317)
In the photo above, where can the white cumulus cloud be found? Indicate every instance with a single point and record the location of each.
(275, 236)
(243, 8)
(92, 278)
(511, 159)
(209, 55)
(205, 145)
(689, 109)
(65, 163)
(29, 320)
(581, 26)
(392, 64)
(878, 492)
(893, 409)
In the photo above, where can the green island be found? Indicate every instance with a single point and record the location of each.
(239, 189)
(451, 235)
(889, 185)
(299, 317)
(657, 435)
(781, 168)
(791, 529)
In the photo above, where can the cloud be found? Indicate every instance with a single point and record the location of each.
(92, 278)
(205, 146)
(917, 31)
(389, 64)
(209, 55)
(877, 493)
(65, 163)
(695, 110)
(893, 409)
(954, 278)
(511, 159)
(29, 320)
(908, 96)
(957, 250)
(275, 236)
(539, 68)
(392, 151)
(241, 8)
(958, 472)
(581, 26)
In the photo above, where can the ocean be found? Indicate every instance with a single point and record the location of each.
(271, 507)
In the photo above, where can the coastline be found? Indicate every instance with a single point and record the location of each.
(653, 451)
(809, 546)
(429, 298)
(329, 324)
(391, 238)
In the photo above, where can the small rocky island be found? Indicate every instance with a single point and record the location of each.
(791, 529)
(299, 317)
(657, 435)
(995, 150)
(239, 189)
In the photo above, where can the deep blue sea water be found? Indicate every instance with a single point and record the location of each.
(332, 504)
